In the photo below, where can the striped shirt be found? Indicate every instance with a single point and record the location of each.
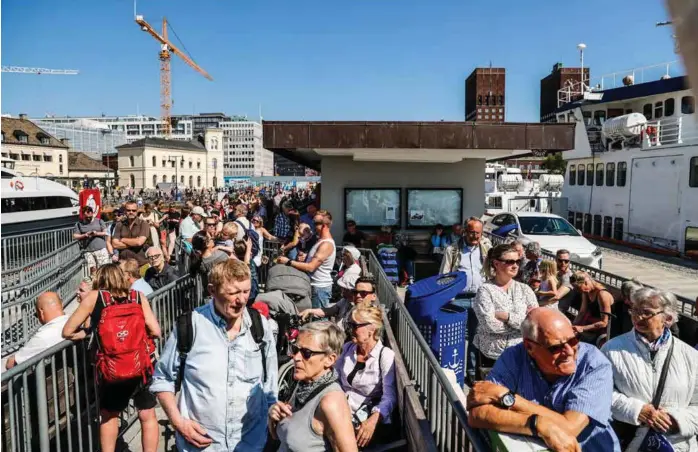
(588, 390)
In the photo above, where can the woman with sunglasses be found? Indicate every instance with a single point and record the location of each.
(637, 359)
(367, 374)
(500, 305)
(317, 418)
(592, 318)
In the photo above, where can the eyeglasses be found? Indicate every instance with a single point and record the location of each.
(319, 223)
(510, 261)
(564, 261)
(211, 225)
(154, 257)
(363, 293)
(558, 348)
(356, 326)
(131, 210)
(644, 314)
(306, 353)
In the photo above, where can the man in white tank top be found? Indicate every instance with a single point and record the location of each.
(319, 262)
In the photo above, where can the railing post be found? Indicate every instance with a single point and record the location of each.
(42, 406)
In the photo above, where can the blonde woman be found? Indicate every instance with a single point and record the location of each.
(548, 284)
(367, 375)
(591, 321)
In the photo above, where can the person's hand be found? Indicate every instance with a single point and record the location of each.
(366, 430)
(578, 329)
(646, 414)
(277, 413)
(193, 433)
(502, 316)
(555, 437)
(282, 260)
(660, 421)
(485, 393)
(309, 312)
(115, 258)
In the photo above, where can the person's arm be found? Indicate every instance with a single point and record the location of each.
(292, 244)
(561, 292)
(151, 323)
(102, 230)
(389, 396)
(582, 310)
(266, 234)
(77, 235)
(10, 362)
(483, 305)
(248, 250)
(72, 330)
(335, 416)
(323, 252)
(605, 301)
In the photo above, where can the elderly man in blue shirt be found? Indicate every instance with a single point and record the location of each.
(225, 395)
(551, 386)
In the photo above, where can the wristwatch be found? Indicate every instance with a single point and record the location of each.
(289, 262)
(507, 400)
(532, 424)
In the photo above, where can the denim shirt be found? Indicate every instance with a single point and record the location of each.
(222, 388)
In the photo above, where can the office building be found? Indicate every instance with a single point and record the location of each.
(202, 121)
(485, 95)
(244, 154)
(136, 127)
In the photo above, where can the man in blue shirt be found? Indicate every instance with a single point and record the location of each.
(550, 386)
(224, 396)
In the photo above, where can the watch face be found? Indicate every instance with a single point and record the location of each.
(508, 400)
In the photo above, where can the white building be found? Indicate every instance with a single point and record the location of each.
(244, 153)
(136, 127)
(151, 161)
(36, 152)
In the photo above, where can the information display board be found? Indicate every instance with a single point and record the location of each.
(373, 207)
(431, 206)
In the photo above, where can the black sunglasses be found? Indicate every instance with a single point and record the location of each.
(306, 353)
(354, 325)
(510, 261)
(363, 293)
(564, 261)
(211, 224)
(558, 348)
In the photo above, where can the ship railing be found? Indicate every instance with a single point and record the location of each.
(686, 305)
(639, 74)
(669, 131)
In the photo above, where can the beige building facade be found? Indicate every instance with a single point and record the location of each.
(150, 162)
(35, 152)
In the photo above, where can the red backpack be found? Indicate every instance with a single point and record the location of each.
(124, 345)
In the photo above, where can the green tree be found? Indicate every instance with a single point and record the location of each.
(554, 163)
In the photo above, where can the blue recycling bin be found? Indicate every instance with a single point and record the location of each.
(442, 323)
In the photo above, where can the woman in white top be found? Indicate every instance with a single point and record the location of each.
(501, 305)
(367, 375)
(638, 358)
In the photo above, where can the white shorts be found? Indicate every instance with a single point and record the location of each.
(97, 258)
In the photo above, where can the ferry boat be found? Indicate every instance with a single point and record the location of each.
(507, 189)
(632, 177)
(34, 204)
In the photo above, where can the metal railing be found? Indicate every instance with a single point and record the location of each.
(443, 408)
(609, 279)
(39, 268)
(50, 402)
(20, 250)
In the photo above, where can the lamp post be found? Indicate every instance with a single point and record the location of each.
(581, 46)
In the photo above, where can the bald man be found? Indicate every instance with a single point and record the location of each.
(550, 386)
(49, 311)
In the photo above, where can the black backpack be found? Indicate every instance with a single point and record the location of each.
(185, 340)
(254, 237)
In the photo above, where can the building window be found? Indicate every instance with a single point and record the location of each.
(132, 180)
(587, 223)
(181, 179)
(622, 174)
(23, 139)
(618, 229)
(693, 172)
(60, 158)
(60, 169)
(669, 107)
(647, 111)
(190, 165)
(590, 174)
(131, 162)
(173, 163)
(479, 99)
(688, 105)
(155, 161)
(164, 163)
(599, 174)
(44, 140)
(155, 181)
(47, 158)
(610, 174)
(658, 110)
(198, 164)
(191, 181)
(26, 157)
(164, 178)
(580, 175)
(573, 175)
(36, 158)
(198, 181)
(181, 163)
(597, 225)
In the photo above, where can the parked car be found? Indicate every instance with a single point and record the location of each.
(552, 232)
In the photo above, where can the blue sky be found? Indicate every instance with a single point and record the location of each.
(312, 59)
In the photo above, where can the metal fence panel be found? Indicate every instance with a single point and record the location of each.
(20, 250)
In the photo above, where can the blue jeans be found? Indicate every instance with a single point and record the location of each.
(320, 296)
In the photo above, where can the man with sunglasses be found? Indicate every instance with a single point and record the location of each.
(130, 235)
(550, 386)
(565, 292)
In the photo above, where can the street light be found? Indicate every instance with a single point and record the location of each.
(581, 46)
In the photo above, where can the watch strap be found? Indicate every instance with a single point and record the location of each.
(532, 424)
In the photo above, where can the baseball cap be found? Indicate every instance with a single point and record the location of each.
(198, 210)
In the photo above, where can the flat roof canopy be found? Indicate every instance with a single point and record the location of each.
(306, 142)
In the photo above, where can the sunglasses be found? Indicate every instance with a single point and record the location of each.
(131, 210)
(306, 353)
(558, 348)
(319, 223)
(211, 225)
(510, 261)
(564, 261)
(363, 293)
(356, 326)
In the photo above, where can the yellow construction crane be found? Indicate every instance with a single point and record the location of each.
(165, 55)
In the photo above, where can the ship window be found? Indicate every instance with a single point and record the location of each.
(599, 174)
(691, 243)
(14, 205)
(688, 105)
(647, 111)
(658, 110)
(597, 225)
(590, 174)
(587, 223)
(578, 219)
(618, 229)
(693, 175)
(669, 107)
(587, 118)
(570, 216)
(607, 226)
(599, 117)
(580, 175)
(622, 174)
(610, 174)
(573, 174)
